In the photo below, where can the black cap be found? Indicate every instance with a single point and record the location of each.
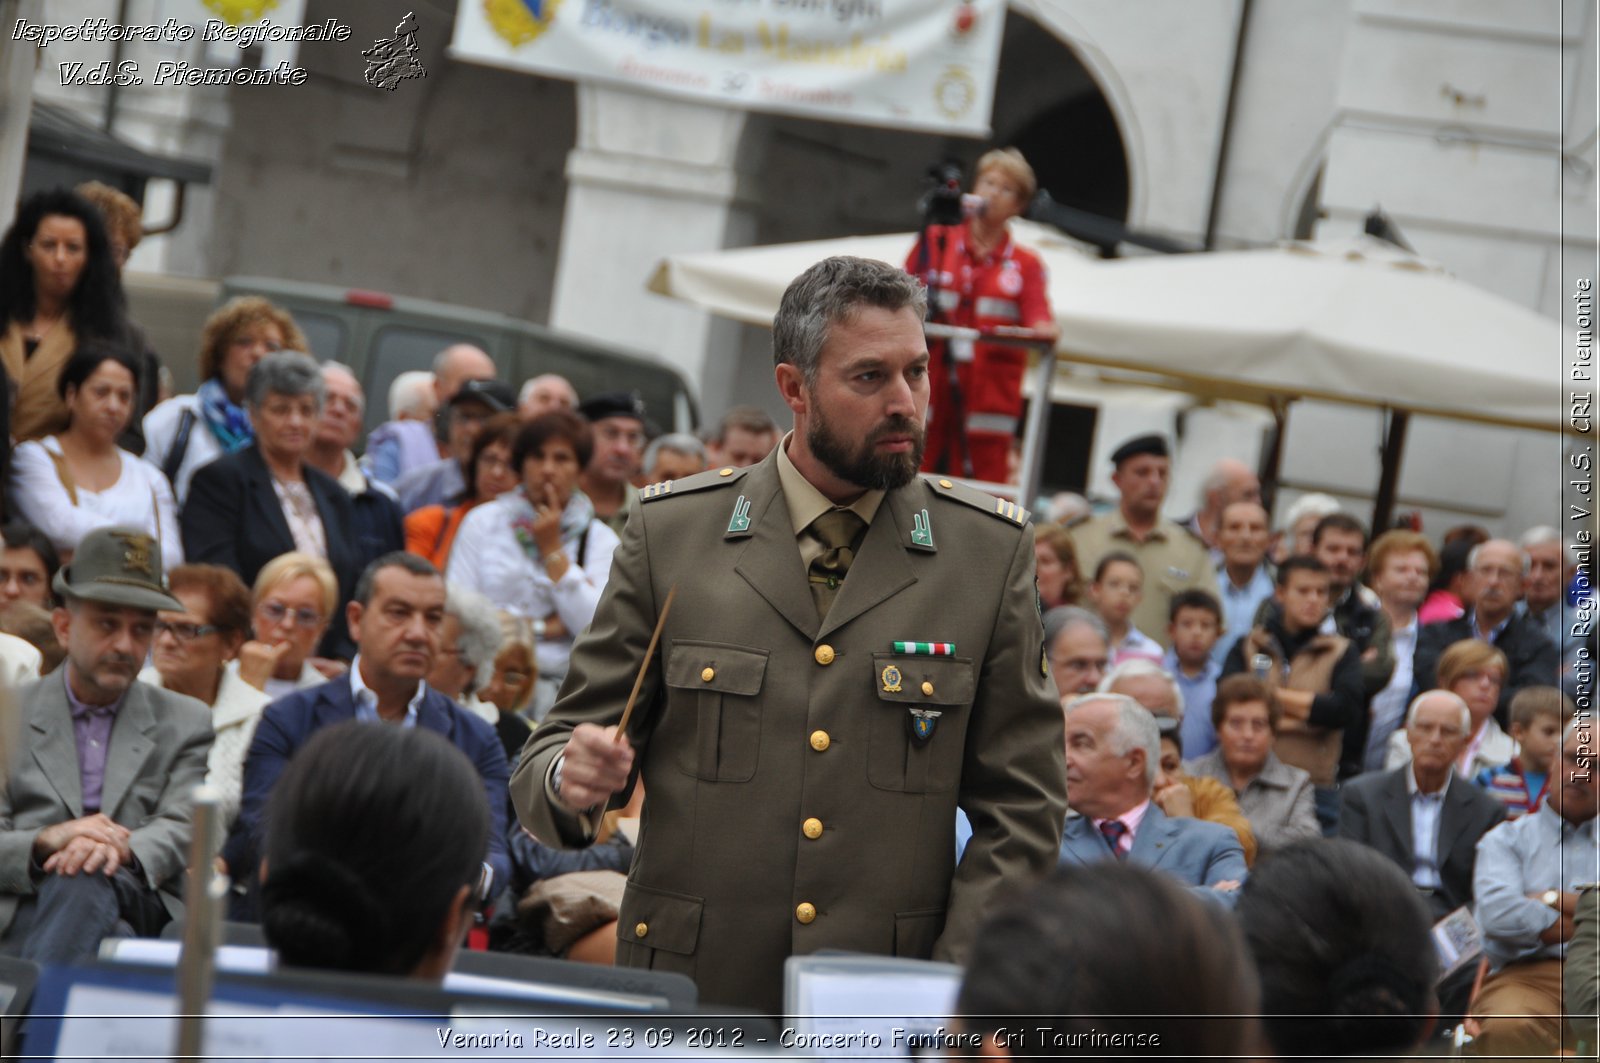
(492, 393)
(1148, 444)
(613, 404)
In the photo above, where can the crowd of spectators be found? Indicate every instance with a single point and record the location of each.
(1234, 694)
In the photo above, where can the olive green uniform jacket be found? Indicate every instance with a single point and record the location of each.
(788, 808)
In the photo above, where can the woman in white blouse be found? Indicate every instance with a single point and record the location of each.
(191, 651)
(539, 552)
(67, 484)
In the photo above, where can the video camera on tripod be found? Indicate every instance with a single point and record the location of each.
(944, 203)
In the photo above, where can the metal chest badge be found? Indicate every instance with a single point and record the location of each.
(920, 725)
(891, 680)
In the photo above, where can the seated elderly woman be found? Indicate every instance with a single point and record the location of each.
(191, 430)
(246, 508)
(469, 638)
(70, 483)
(539, 552)
(1474, 671)
(1275, 798)
(191, 651)
(509, 691)
(373, 859)
(294, 598)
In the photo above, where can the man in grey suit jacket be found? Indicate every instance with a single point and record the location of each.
(1113, 757)
(1386, 809)
(95, 811)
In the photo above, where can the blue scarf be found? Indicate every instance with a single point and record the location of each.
(229, 422)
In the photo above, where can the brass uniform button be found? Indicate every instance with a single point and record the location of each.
(820, 740)
(824, 655)
(707, 674)
(725, 472)
(812, 828)
(927, 688)
(946, 484)
(641, 930)
(806, 912)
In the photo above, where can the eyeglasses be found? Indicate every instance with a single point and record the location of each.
(185, 632)
(276, 612)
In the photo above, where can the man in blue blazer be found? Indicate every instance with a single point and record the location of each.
(1113, 753)
(395, 620)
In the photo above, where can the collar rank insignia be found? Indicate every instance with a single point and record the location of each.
(739, 523)
(920, 724)
(922, 531)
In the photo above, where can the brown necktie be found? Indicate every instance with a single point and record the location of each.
(837, 529)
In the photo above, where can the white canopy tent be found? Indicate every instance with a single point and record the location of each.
(1364, 323)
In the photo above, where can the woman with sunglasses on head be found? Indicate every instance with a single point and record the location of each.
(295, 595)
(191, 652)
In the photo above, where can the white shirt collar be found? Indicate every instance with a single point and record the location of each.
(366, 699)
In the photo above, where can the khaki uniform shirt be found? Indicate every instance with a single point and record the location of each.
(789, 806)
(1173, 560)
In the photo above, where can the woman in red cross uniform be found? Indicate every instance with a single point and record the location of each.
(978, 277)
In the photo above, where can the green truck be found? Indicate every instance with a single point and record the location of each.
(381, 336)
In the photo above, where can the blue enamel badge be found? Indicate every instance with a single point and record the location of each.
(920, 724)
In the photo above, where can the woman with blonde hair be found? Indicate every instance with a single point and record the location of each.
(293, 600)
(1474, 671)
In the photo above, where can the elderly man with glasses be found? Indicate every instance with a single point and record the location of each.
(1495, 583)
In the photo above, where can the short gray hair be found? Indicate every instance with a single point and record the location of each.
(677, 442)
(1135, 729)
(340, 367)
(828, 294)
(1538, 536)
(1472, 555)
(291, 373)
(1449, 695)
(409, 391)
(1134, 668)
(1063, 617)
(481, 633)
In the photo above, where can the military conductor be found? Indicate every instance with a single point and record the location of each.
(853, 653)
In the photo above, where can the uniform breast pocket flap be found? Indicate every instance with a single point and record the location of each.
(919, 724)
(717, 686)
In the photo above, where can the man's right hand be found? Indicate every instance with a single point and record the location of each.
(98, 827)
(594, 767)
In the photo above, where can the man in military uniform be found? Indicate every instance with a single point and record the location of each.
(852, 654)
(1172, 558)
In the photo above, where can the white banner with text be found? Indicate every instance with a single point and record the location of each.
(910, 64)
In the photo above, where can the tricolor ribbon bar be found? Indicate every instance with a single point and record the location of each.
(927, 649)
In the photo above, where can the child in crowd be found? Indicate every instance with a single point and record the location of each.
(1537, 716)
(1194, 627)
(1116, 592)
